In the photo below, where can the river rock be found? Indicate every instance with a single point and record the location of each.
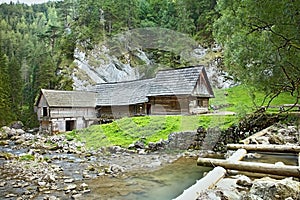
(69, 180)
(116, 168)
(10, 195)
(20, 141)
(20, 131)
(6, 129)
(76, 196)
(2, 184)
(244, 181)
(139, 145)
(49, 177)
(70, 187)
(3, 135)
(277, 139)
(13, 132)
(83, 186)
(267, 188)
(17, 125)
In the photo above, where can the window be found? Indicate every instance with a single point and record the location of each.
(199, 102)
(45, 111)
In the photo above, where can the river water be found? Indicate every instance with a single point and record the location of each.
(165, 183)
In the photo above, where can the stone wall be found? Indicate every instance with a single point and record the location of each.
(186, 140)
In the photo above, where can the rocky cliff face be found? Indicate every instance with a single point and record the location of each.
(99, 66)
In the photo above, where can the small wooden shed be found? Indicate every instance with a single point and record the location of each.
(61, 111)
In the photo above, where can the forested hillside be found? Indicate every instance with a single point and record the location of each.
(261, 42)
(38, 42)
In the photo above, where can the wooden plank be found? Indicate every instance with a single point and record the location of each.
(285, 170)
(211, 179)
(256, 135)
(266, 148)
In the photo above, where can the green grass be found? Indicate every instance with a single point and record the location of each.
(126, 131)
(26, 157)
(242, 100)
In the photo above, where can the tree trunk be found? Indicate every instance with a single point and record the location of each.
(266, 148)
(286, 170)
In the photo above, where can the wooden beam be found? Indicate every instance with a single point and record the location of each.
(211, 179)
(266, 148)
(285, 170)
(256, 135)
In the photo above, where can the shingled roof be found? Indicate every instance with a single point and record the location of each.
(123, 93)
(181, 82)
(59, 98)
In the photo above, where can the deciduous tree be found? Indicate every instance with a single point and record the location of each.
(261, 43)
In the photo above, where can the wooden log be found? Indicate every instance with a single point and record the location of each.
(256, 135)
(266, 147)
(285, 170)
(211, 179)
(206, 182)
(238, 155)
(254, 175)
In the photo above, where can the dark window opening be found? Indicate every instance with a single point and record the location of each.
(199, 102)
(70, 125)
(148, 109)
(45, 112)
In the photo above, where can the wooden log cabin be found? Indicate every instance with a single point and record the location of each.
(61, 111)
(172, 92)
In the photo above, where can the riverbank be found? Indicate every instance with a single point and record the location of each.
(38, 166)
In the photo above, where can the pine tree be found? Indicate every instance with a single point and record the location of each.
(5, 101)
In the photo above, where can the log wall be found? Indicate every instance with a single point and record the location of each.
(115, 112)
(164, 105)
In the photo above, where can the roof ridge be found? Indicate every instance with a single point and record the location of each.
(174, 69)
(136, 80)
(52, 90)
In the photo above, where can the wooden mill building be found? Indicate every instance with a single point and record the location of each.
(171, 92)
(61, 111)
